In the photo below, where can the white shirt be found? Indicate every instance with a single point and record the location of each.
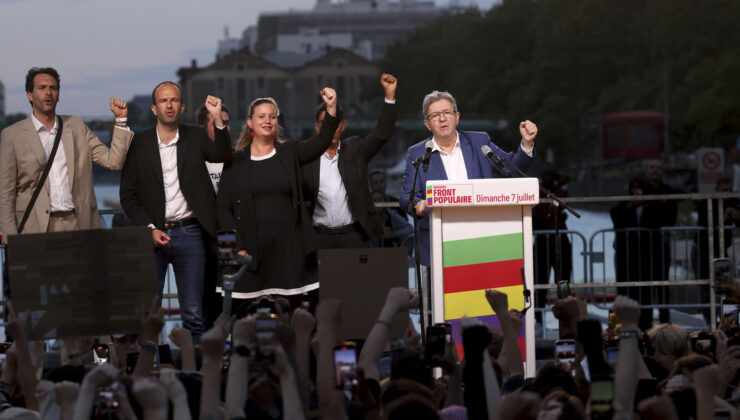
(60, 194)
(454, 163)
(176, 207)
(331, 209)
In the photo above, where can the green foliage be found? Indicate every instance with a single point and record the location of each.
(562, 62)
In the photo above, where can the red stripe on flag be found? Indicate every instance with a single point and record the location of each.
(520, 341)
(465, 278)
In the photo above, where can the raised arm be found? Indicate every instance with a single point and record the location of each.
(18, 328)
(500, 304)
(311, 148)
(374, 141)
(398, 299)
(237, 386)
(220, 149)
(212, 348)
(151, 321)
(331, 400)
(114, 157)
(303, 323)
(626, 375)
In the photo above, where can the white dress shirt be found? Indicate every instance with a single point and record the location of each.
(331, 209)
(454, 162)
(59, 192)
(176, 207)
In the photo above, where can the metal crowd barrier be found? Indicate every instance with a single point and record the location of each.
(682, 290)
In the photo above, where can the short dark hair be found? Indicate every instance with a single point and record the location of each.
(201, 115)
(376, 172)
(31, 75)
(166, 82)
(322, 108)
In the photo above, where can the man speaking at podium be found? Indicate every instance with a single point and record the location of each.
(455, 155)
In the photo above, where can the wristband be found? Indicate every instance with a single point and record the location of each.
(241, 351)
(123, 119)
(628, 334)
(151, 346)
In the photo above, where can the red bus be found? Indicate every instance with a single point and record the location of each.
(631, 135)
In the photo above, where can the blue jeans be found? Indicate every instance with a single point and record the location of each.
(187, 254)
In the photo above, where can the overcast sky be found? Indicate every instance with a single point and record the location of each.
(104, 48)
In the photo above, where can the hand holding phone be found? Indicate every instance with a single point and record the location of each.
(345, 365)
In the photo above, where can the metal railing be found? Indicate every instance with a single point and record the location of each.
(592, 256)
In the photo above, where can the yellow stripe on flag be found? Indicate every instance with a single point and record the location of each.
(474, 303)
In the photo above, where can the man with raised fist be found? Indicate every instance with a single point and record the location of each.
(66, 200)
(165, 186)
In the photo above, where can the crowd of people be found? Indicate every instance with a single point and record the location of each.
(247, 368)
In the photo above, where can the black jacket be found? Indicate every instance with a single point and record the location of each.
(235, 204)
(354, 155)
(142, 187)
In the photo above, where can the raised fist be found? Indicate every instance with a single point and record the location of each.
(389, 83)
(528, 130)
(119, 108)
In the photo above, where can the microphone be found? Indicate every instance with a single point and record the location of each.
(494, 159)
(427, 154)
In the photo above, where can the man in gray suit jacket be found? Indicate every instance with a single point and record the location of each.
(67, 199)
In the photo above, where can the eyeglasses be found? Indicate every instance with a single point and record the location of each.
(448, 113)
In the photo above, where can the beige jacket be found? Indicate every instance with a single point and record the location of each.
(22, 160)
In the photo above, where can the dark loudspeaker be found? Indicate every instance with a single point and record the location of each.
(361, 278)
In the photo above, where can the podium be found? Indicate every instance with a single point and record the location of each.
(481, 238)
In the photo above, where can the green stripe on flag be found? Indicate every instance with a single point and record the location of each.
(483, 250)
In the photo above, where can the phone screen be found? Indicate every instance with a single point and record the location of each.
(602, 393)
(563, 289)
(722, 270)
(227, 249)
(730, 309)
(435, 343)
(345, 366)
(565, 350)
(612, 355)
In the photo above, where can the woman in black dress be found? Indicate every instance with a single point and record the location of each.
(260, 198)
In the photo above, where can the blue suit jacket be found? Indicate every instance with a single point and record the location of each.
(476, 163)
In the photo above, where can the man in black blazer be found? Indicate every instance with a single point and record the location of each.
(165, 186)
(343, 214)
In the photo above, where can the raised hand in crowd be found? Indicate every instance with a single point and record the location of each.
(331, 400)
(65, 395)
(182, 338)
(569, 311)
(398, 299)
(512, 363)
(152, 397)
(281, 367)
(212, 345)
(151, 321)
(303, 324)
(176, 394)
(706, 388)
(26, 373)
(237, 386)
(102, 375)
(626, 376)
